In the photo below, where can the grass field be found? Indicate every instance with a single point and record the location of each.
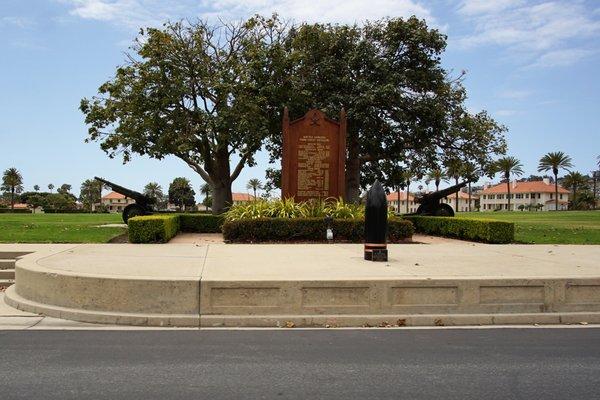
(563, 227)
(58, 228)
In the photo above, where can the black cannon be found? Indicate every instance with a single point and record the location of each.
(143, 205)
(430, 202)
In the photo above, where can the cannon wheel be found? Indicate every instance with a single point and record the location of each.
(133, 210)
(444, 210)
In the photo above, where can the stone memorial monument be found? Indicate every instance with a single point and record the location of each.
(314, 156)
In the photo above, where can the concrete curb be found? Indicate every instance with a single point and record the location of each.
(245, 286)
(136, 319)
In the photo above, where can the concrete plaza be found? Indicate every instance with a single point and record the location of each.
(213, 284)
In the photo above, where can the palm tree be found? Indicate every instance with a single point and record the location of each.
(254, 184)
(470, 173)
(436, 175)
(405, 178)
(508, 166)
(36, 188)
(206, 190)
(454, 168)
(50, 187)
(575, 180)
(554, 161)
(154, 191)
(12, 181)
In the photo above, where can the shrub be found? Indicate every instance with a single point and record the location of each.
(153, 228)
(15, 211)
(307, 230)
(470, 229)
(288, 208)
(200, 223)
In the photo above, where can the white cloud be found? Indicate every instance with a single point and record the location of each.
(514, 94)
(136, 13)
(530, 31)
(19, 22)
(562, 58)
(472, 7)
(505, 113)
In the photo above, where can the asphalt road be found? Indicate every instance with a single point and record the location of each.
(301, 364)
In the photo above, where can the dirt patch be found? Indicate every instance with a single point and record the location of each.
(124, 238)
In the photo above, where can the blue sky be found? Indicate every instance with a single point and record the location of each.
(532, 64)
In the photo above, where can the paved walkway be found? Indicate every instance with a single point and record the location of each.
(318, 261)
(178, 283)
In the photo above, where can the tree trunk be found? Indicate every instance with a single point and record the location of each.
(555, 192)
(12, 199)
(353, 170)
(469, 196)
(407, 193)
(456, 199)
(221, 177)
(508, 196)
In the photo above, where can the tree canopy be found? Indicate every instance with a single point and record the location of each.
(200, 92)
(213, 94)
(404, 110)
(181, 193)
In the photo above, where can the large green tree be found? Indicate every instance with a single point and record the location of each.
(90, 193)
(555, 161)
(181, 193)
(402, 106)
(204, 93)
(576, 182)
(12, 182)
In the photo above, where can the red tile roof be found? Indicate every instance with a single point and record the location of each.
(242, 197)
(524, 187)
(463, 195)
(394, 196)
(113, 195)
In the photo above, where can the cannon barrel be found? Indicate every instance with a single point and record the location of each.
(440, 194)
(139, 198)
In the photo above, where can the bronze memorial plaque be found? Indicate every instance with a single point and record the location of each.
(314, 156)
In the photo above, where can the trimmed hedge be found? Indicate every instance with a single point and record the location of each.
(15, 211)
(200, 223)
(153, 228)
(307, 230)
(479, 230)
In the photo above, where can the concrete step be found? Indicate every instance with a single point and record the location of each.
(7, 274)
(11, 255)
(4, 283)
(7, 264)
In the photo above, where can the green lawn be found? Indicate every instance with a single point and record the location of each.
(58, 228)
(563, 227)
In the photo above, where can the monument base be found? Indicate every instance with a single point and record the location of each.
(376, 252)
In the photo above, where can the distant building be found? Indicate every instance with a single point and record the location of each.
(239, 198)
(463, 201)
(527, 194)
(392, 199)
(116, 202)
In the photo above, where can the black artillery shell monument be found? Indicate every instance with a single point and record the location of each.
(376, 211)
